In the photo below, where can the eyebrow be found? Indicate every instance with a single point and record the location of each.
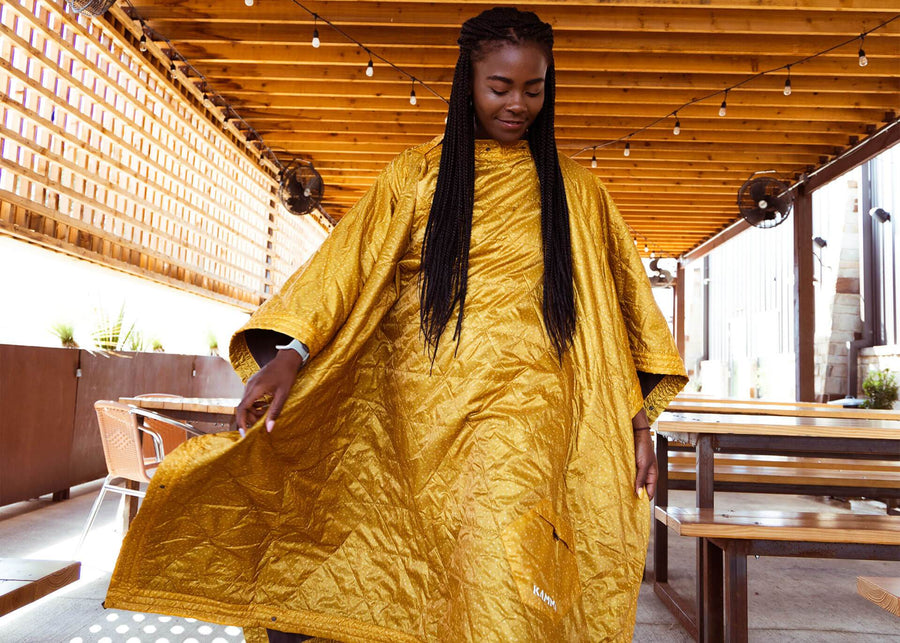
(508, 81)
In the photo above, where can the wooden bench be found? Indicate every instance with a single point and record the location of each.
(884, 592)
(773, 533)
(24, 581)
(876, 479)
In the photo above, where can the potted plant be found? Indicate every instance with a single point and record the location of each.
(880, 388)
(66, 334)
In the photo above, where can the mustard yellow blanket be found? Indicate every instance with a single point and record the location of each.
(487, 498)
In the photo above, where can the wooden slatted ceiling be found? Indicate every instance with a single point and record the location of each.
(621, 64)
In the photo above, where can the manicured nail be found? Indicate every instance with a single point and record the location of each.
(641, 492)
(242, 432)
(270, 424)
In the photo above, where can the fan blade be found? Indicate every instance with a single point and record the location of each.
(758, 189)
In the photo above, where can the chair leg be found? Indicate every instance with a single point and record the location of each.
(91, 516)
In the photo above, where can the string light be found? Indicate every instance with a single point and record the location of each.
(677, 129)
(594, 159)
(315, 38)
(723, 108)
(370, 68)
(646, 248)
(249, 3)
(653, 255)
(627, 150)
(172, 69)
(412, 93)
(787, 83)
(863, 61)
(142, 43)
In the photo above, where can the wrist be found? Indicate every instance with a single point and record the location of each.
(290, 358)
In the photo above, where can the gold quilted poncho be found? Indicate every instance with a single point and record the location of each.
(490, 498)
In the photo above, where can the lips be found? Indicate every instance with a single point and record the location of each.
(511, 124)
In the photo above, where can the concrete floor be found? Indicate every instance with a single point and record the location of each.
(791, 599)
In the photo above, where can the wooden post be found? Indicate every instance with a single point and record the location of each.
(679, 308)
(804, 299)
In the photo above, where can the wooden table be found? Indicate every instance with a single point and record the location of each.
(884, 592)
(23, 581)
(215, 410)
(793, 409)
(759, 434)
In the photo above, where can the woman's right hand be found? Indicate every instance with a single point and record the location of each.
(268, 388)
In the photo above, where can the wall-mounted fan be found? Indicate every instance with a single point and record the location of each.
(301, 188)
(764, 201)
(663, 278)
(90, 7)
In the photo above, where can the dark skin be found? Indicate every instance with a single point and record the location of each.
(507, 94)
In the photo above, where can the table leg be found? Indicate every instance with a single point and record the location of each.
(660, 530)
(130, 505)
(709, 558)
(736, 591)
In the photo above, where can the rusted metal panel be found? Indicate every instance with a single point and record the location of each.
(37, 404)
(49, 432)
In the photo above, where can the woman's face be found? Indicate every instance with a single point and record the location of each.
(508, 91)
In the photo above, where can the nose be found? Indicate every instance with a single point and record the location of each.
(516, 103)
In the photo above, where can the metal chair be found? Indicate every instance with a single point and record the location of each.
(121, 427)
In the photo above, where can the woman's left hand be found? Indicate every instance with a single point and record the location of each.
(644, 457)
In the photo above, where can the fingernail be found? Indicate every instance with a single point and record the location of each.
(641, 492)
(242, 432)
(270, 424)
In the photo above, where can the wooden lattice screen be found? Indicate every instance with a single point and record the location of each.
(102, 157)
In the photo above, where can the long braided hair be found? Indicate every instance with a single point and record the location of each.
(445, 252)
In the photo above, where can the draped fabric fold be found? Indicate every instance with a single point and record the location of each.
(485, 497)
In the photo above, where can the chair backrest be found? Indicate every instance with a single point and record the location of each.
(121, 441)
(171, 436)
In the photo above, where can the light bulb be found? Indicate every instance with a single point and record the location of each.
(172, 69)
(677, 129)
(787, 86)
(142, 43)
(863, 61)
(723, 108)
(653, 255)
(646, 248)
(412, 97)
(370, 69)
(635, 243)
(249, 3)
(594, 159)
(315, 40)
(627, 150)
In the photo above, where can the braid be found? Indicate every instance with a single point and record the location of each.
(445, 250)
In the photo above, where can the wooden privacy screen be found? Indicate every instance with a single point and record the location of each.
(101, 157)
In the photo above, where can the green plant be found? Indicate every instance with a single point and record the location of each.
(66, 334)
(157, 346)
(136, 341)
(212, 342)
(110, 333)
(880, 388)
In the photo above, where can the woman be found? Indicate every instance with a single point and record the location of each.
(419, 482)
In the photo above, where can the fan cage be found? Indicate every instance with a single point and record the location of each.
(747, 203)
(90, 7)
(301, 173)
